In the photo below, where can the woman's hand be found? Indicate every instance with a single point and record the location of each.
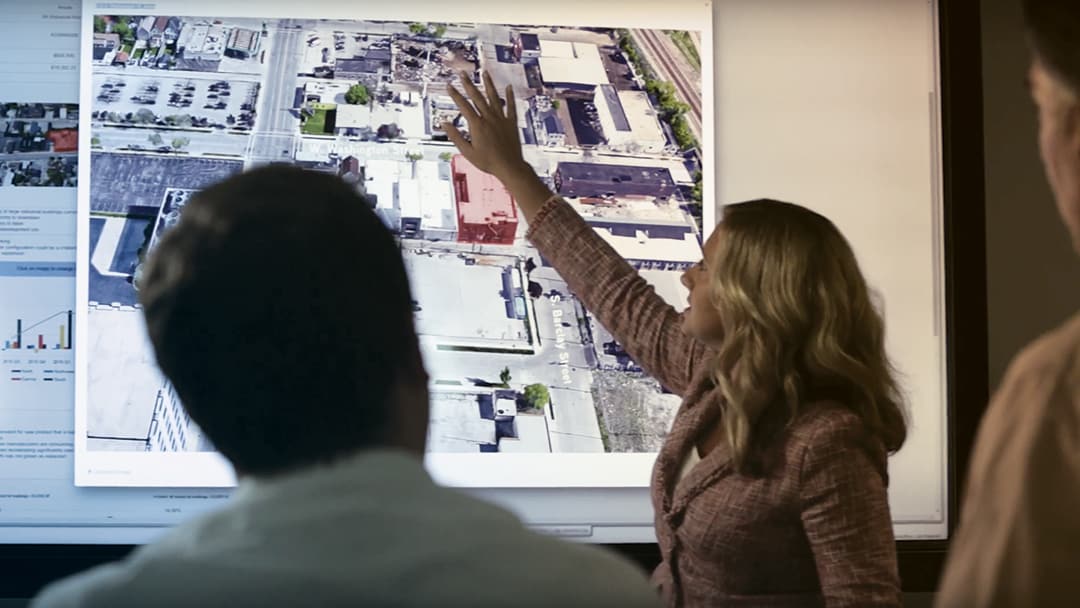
(493, 145)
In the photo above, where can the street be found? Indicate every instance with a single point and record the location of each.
(217, 143)
(276, 125)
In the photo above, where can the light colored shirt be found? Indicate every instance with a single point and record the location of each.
(372, 530)
(692, 458)
(1018, 543)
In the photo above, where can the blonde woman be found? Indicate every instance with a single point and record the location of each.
(770, 489)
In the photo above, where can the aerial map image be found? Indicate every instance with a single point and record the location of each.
(610, 118)
(39, 144)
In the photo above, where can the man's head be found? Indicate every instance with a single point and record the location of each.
(279, 308)
(1054, 32)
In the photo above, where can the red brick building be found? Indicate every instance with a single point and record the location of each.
(486, 211)
(64, 140)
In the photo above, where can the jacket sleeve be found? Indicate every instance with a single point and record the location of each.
(845, 513)
(625, 304)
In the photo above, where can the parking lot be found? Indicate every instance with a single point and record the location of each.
(618, 68)
(209, 102)
(122, 181)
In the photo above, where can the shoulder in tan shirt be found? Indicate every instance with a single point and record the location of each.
(1018, 543)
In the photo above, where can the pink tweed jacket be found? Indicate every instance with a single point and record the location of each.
(815, 531)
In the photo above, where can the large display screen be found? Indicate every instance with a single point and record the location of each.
(526, 388)
(114, 114)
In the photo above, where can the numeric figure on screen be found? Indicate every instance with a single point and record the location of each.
(770, 488)
(1018, 542)
(279, 308)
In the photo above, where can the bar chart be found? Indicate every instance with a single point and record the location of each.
(51, 333)
(37, 362)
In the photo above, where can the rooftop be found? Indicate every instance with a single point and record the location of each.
(532, 436)
(661, 243)
(455, 424)
(481, 197)
(351, 116)
(615, 174)
(361, 65)
(557, 70)
(462, 304)
(64, 140)
(530, 42)
(668, 286)
(243, 39)
(555, 48)
(613, 104)
(642, 116)
(409, 119)
(571, 63)
(430, 200)
(416, 190)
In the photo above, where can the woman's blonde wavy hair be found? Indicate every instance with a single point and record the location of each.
(799, 326)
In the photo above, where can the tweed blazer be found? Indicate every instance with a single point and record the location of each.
(815, 531)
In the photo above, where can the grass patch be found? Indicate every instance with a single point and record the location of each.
(682, 39)
(603, 430)
(321, 121)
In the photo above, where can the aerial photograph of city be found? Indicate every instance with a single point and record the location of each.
(610, 118)
(39, 144)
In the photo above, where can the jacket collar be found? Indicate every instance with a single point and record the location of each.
(700, 410)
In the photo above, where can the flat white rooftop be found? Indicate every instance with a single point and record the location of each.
(532, 436)
(668, 284)
(122, 376)
(455, 424)
(463, 305)
(641, 247)
(644, 123)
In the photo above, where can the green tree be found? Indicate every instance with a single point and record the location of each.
(446, 156)
(683, 136)
(357, 95)
(537, 395)
(555, 104)
(155, 139)
(145, 116)
(121, 27)
(180, 142)
(440, 30)
(388, 131)
(414, 156)
(418, 28)
(504, 376)
(179, 120)
(99, 24)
